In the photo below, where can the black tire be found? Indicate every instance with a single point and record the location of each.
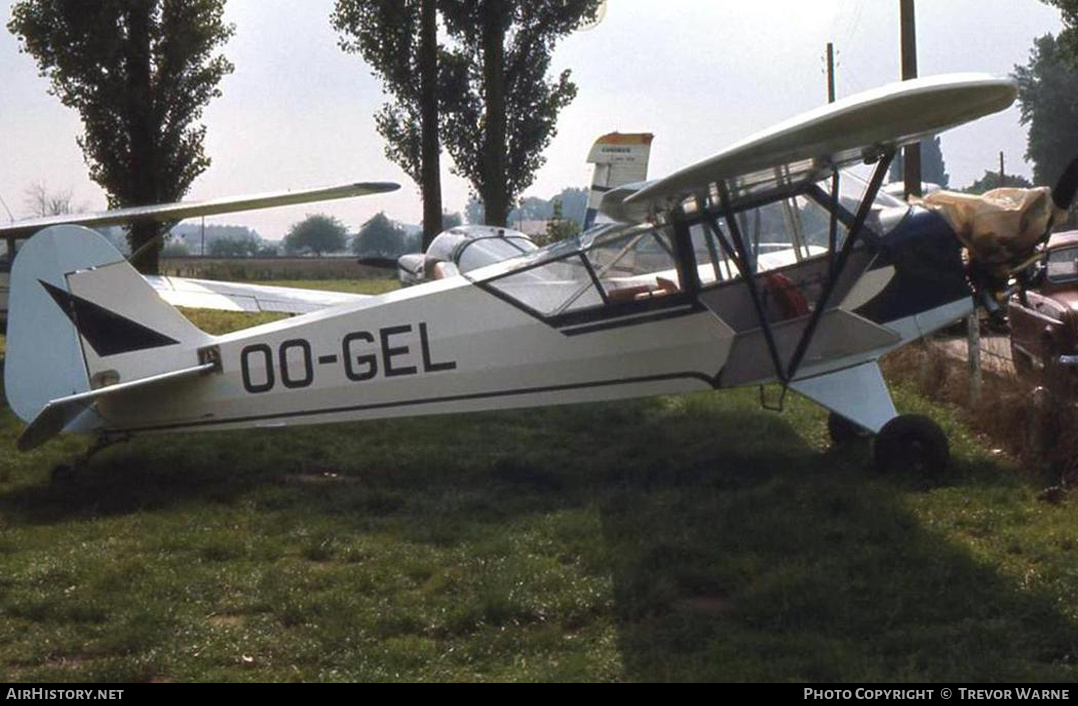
(912, 442)
(842, 431)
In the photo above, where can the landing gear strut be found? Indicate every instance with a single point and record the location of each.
(912, 441)
(64, 472)
(842, 431)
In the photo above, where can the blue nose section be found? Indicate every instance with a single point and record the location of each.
(929, 273)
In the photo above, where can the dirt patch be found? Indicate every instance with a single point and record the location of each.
(71, 663)
(227, 620)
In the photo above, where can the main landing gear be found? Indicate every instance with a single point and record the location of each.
(909, 441)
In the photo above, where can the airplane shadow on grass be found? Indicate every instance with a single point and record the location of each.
(773, 562)
(737, 550)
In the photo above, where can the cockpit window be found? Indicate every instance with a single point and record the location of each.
(637, 265)
(552, 288)
(616, 264)
(620, 266)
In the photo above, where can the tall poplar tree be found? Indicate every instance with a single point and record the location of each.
(139, 72)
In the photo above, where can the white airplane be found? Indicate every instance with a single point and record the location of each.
(766, 263)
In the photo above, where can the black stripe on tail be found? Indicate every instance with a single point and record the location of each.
(107, 332)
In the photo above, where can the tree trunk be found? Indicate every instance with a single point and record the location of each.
(431, 166)
(495, 187)
(139, 114)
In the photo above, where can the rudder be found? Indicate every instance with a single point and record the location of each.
(80, 317)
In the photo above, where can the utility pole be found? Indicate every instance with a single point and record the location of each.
(1002, 173)
(832, 238)
(830, 72)
(912, 153)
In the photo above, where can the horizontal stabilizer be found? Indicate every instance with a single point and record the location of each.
(58, 413)
(232, 296)
(173, 212)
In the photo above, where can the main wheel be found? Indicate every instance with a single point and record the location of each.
(842, 431)
(912, 441)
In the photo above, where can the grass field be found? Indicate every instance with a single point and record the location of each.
(677, 538)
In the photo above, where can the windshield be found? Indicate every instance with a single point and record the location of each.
(1063, 265)
(629, 264)
(483, 251)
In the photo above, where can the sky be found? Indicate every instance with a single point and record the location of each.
(699, 74)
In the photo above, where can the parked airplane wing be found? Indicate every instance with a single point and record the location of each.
(837, 135)
(233, 296)
(190, 209)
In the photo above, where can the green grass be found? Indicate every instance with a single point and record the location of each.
(677, 538)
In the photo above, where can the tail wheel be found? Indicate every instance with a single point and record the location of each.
(912, 441)
(842, 431)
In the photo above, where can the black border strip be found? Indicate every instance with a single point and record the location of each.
(626, 322)
(710, 381)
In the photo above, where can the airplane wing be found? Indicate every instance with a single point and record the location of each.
(234, 296)
(190, 209)
(808, 147)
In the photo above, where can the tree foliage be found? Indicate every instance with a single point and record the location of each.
(451, 220)
(139, 72)
(245, 245)
(398, 39)
(1069, 36)
(572, 200)
(317, 234)
(991, 180)
(558, 227)
(499, 108)
(379, 236)
(1048, 93)
(933, 167)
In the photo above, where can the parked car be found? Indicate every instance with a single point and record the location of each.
(1044, 316)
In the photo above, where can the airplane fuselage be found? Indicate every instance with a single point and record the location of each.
(455, 346)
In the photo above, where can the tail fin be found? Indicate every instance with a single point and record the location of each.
(619, 159)
(80, 319)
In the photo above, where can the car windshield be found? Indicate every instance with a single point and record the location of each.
(1063, 265)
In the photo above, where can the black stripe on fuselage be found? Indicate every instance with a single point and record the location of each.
(710, 381)
(631, 321)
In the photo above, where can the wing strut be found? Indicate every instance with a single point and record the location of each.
(735, 249)
(840, 264)
(740, 258)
